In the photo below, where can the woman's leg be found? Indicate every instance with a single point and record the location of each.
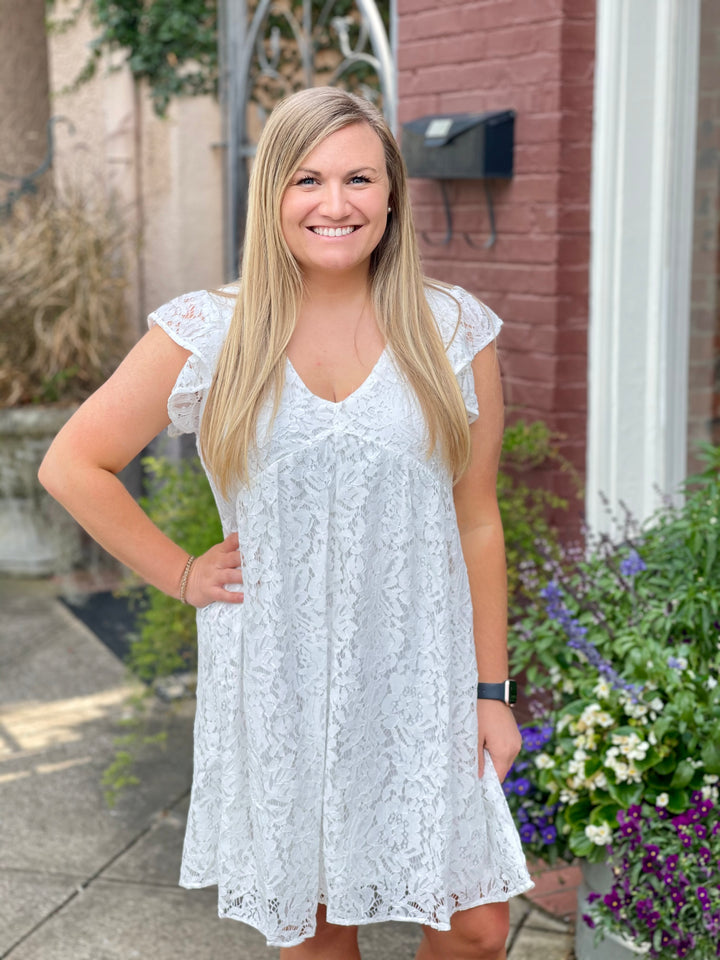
(330, 942)
(479, 933)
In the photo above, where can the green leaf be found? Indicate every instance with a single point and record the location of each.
(684, 773)
(710, 754)
(626, 794)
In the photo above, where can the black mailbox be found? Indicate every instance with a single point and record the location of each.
(460, 146)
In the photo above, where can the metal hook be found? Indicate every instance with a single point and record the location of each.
(448, 220)
(490, 242)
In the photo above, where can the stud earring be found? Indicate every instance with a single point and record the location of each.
(389, 210)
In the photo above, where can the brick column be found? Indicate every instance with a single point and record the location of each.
(535, 57)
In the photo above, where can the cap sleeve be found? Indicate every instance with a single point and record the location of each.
(466, 326)
(194, 322)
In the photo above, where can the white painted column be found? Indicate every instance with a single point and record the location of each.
(642, 194)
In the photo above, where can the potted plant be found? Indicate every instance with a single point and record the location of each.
(621, 645)
(63, 327)
(664, 891)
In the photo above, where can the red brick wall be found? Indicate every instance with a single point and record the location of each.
(704, 379)
(535, 57)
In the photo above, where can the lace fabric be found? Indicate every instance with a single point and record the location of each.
(336, 730)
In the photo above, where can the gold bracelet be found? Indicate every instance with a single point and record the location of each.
(185, 577)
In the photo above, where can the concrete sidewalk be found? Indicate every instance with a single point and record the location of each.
(79, 881)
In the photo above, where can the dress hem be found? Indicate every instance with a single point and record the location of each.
(436, 925)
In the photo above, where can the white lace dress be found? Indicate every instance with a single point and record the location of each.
(336, 727)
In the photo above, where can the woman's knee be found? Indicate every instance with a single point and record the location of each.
(479, 933)
(329, 939)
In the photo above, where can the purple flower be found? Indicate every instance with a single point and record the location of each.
(535, 738)
(612, 901)
(632, 564)
(589, 920)
(676, 664)
(700, 830)
(521, 786)
(527, 833)
(676, 895)
(593, 896)
(549, 834)
(671, 860)
(704, 898)
(577, 639)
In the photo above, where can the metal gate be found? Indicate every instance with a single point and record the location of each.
(271, 48)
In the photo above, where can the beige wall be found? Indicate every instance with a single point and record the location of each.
(166, 174)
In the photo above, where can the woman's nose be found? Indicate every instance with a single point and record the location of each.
(335, 201)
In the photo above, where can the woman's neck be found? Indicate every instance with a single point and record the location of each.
(335, 291)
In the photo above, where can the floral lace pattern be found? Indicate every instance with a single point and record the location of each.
(336, 730)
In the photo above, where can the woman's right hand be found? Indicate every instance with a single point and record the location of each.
(213, 572)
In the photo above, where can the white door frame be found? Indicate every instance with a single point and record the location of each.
(646, 81)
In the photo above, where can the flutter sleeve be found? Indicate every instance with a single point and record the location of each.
(467, 326)
(192, 321)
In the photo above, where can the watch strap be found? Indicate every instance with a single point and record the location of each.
(505, 691)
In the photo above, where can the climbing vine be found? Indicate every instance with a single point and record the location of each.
(172, 44)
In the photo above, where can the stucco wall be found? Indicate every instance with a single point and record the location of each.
(166, 174)
(535, 57)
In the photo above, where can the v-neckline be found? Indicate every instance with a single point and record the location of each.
(338, 403)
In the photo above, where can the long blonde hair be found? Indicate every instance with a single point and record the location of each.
(251, 365)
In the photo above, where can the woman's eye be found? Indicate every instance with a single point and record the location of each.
(305, 181)
(360, 179)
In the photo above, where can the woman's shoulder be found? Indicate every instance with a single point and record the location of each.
(466, 324)
(198, 320)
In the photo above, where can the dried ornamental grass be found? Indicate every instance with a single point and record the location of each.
(63, 317)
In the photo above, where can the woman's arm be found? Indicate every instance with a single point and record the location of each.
(483, 547)
(80, 471)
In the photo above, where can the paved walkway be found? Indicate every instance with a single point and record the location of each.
(80, 881)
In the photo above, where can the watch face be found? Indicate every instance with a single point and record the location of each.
(512, 691)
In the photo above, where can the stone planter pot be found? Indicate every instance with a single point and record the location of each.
(37, 537)
(598, 878)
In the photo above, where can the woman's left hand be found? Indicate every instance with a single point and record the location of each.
(498, 734)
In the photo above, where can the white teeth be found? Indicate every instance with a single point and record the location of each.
(332, 231)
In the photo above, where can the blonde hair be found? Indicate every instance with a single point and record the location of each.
(251, 364)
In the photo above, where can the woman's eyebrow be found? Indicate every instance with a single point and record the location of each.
(350, 173)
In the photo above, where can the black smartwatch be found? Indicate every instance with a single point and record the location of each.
(506, 692)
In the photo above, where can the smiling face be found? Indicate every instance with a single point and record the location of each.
(335, 209)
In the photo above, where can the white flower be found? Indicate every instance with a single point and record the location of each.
(568, 796)
(636, 710)
(604, 719)
(563, 722)
(711, 778)
(602, 689)
(568, 686)
(599, 780)
(662, 800)
(543, 761)
(709, 793)
(601, 835)
(633, 774)
(656, 704)
(712, 683)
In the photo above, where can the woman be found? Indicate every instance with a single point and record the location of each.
(345, 769)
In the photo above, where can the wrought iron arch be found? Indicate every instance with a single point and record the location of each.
(252, 48)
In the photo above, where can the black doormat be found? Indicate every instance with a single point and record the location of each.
(110, 617)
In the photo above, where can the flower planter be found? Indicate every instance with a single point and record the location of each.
(37, 537)
(598, 878)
